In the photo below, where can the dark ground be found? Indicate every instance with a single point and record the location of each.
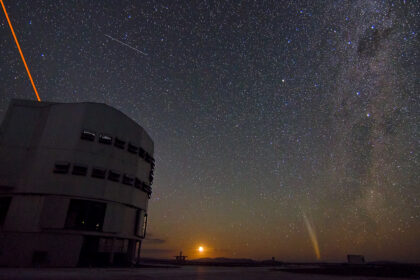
(288, 272)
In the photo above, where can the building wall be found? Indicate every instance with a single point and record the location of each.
(34, 137)
(63, 249)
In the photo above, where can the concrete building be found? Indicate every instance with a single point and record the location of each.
(75, 180)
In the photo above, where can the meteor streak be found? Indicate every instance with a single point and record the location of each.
(122, 43)
(312, 235)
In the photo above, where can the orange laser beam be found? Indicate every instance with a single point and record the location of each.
(20, 51)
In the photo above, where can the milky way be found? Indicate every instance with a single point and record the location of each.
(260, 111)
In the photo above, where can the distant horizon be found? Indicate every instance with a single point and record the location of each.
(284, 261)
(343, 260)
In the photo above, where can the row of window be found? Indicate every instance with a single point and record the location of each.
(89, 215)
(62, 167)
(119, 143)
(109, 140)
(84, 215)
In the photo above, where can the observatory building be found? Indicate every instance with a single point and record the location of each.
(75, 180)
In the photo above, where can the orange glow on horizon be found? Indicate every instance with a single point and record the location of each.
(20, 51)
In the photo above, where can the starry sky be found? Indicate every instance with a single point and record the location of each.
(281, 128)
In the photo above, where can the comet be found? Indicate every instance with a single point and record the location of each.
(124, 44)
(312, 235)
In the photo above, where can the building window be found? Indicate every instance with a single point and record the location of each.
(141, 223)
(62, 167)
(98, 172)
(114, 175)
(142, 152)
(120, 245)
(151, 177)
(105, 245)
(88, 135)
(128, 180)
(144, 227)
(85, 215)
(79, 169)
(137, 183)
(137, 252)
(147, 189)
(4, 207)
(148, 158)
(132, 148)
(105, 139)
(119, 143)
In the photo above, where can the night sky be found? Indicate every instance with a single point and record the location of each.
(280, 127)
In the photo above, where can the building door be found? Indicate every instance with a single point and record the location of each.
(89, 255)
